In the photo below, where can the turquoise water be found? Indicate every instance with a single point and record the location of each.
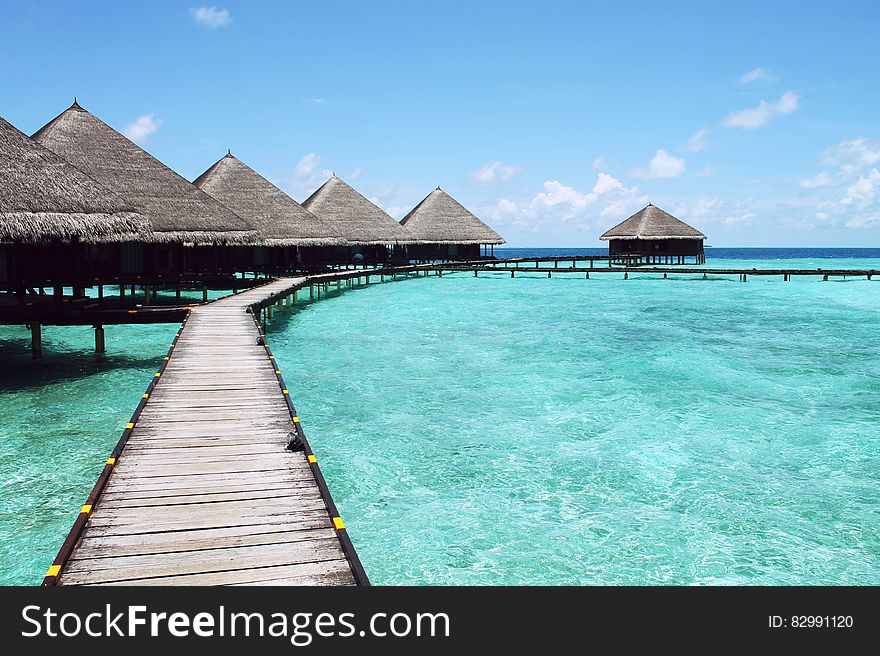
(571, 431)
(494, 431)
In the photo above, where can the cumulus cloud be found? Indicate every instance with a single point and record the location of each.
(697, 142)
(822, 179)
(863, 191)
(759, 74)
(852, 155)
(211, 17)
(608, 195)
(758, 117)
(495, 172)
(662, 165)
(140, 129)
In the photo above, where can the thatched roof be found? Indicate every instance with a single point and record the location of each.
(440, 219)
(278, 219)
(176, 209)
(352, 216)
(43, 198)
(652, 223)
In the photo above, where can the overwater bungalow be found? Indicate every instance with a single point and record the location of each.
(371, 234)
(51, 214)
(289, 236)
(444, 229)
(657, 237)
(188, 227)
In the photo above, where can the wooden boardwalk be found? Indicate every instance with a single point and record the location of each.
(203, 490)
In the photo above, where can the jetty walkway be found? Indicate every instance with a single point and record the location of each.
(202, 488)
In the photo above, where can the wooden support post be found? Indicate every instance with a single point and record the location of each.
(549, 274)
(382, 277)
(625, 276)
(512, 273)
(177, 292)
(293, 297)
(36, 341)
(122, 291)
(367, 279)
(269, 311)
(204, 294)
(311, 292)
(825, 277)
(475, 273)
(100, 291)
(100, 346)
(587, 275)
(664, 276)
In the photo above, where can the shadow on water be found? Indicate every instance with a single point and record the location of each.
(19, 371)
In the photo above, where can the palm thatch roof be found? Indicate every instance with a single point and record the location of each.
(177, 210)
(352, 216)
(278, 219)
(652, 223)
(43, 198)
(440, 219)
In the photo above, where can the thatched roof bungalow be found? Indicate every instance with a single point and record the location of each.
(177, 210)
(278, 219)
(44, 199)
(353, 217)
(447, 228)
(657, 237)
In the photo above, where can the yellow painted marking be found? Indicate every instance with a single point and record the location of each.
(271, 357)
(132, 311)
(285, 392)
(86, 508)
(338, 524)
(312, 459)
(111, 461)
(129, 426)
(177, 335)
(55, 570)
(146, 396)
(157, 374)
(296, 420)
(167, 358)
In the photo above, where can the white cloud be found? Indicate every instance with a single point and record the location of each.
(211, 17)
(662, 165)
(822, 179)
(852, 155)
(140, 129)
(759, 74)
(706, 171)
(306, 165)
(697, 142)
(758, 117)
(600, 163)
(608, 195)
(356, 174)
(863, 191)
(495, 172)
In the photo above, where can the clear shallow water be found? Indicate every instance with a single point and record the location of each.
(497, 431)
(527, 431)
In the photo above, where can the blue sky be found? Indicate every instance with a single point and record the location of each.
(756, 122)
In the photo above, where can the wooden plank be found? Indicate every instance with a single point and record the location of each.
(330, 572)
(155, 543)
